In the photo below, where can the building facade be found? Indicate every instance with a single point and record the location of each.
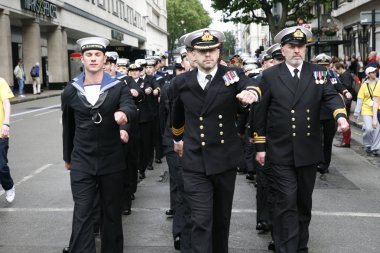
(46, 32)
(361, 35)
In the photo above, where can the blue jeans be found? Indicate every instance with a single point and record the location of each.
(20, 86)
(5, 175)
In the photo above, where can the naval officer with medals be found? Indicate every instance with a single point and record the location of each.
(205, 103)
(287, 135)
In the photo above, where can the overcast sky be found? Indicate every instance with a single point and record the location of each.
(216, 16)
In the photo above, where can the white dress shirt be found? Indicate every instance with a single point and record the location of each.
(201, 76)
(291, 69)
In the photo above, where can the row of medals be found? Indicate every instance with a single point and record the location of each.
(320, 77)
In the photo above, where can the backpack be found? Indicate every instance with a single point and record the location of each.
(33, 71)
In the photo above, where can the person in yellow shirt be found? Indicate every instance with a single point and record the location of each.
(5, 111)
(364, 106)
(376, 107)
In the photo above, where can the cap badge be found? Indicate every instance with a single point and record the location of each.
(207, 36)
(298, 34)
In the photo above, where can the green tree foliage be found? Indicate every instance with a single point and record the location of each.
(228, 45)
(243, 11)
(185, 16)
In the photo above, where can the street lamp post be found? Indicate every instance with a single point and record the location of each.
(319, 28)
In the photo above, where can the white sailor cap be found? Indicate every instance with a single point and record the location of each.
(151, 62)
(249, 67)
(322, 59)
(135, 66)
(93, 43)
(249, 61)
(141, 62)
(122, 62)
(204, 39)
(112, 56)
(275, 50)
(293, 35)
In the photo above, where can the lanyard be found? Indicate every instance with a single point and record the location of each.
(369, 89)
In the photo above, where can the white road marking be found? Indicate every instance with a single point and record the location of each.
(46, 112)
(315, 213)
(36, 110)
(26, 178)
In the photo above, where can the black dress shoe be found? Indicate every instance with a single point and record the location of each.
(66, 250)
(133, 196)
(250, 176)
(343, 145)
(149, 167)
(271, 246)
(158, 161)
(170, 212)
(177, 243)
(142, 175)
(127, 212)
(262, 226)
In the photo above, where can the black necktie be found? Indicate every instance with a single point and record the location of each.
(208, 77)
(295, 78)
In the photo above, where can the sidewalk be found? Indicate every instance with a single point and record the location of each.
(31, 97)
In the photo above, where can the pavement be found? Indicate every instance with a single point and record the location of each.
(31, 97)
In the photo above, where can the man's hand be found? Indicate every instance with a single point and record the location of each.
(260, 158)
(67, 166)
(4, 131)
(124, 136)
(178, 148)
(343, 125)
(348, 96)
(120, 118)
(134, 93)
(156, 92)
(246, 97)
(148, 90)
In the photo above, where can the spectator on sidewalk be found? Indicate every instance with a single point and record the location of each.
(360, 68)
(5, 111)
(20, 76)
(371, 136)
(376, 109)
(347, 80)
(35, 74)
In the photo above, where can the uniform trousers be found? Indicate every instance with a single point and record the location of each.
(210, 200)
(264, 194)
(181, 219)
(84, 188)
(5, 174)
(132, 150)
(172, 159)
(292, 213)
(329, 130)
(157, 140)
(347, 134)
(147, 144)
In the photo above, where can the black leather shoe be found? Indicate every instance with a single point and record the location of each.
(127, 212)
(262, 226)
(177, 243)
(149, 167)
(158, 161)
(271, 246)
(66, 250)
(170, 212)
(133, 196)
(343, 145)
(142, 175)
(250, 176)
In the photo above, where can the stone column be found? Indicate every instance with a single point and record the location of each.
(6, 70)
(57, 57)
(31, 48)
(65, 56)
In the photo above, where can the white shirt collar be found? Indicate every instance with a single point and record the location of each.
(291, 69)
(201, 77)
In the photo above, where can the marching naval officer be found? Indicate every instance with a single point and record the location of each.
(205, 103)
(287, 132)
(94, 105)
